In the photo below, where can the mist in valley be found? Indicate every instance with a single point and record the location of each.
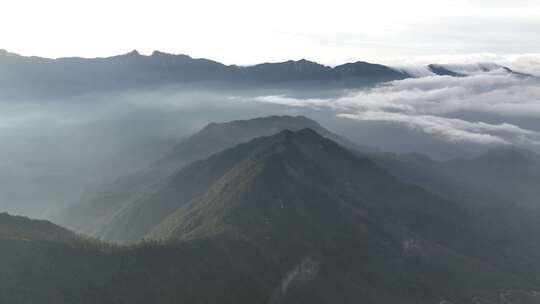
(57, 151)
(54, 152)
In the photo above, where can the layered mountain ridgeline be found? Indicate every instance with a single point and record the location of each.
(507, 174)
(40, 77)
(510, 173)
(286, 192)
(443, 71)
(31, 77)
(96, 214)
(290, 218)
(463, 70)
(50, 270)
(495, 189)
(23, 228)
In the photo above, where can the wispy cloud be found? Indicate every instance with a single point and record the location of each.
(521, 62)
(454, 130)
(433, 105)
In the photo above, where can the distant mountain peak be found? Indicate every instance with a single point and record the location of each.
(468, 69)
(360, 68)
(133, 53)
(211, 140)
(288, 134)
(263, 165)
(159, 53)
(441, 70)
(264, 120)
(301, 135)
(6, 53)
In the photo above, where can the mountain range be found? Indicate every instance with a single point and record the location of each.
(292, 217)
(36, 77)
(72, 76)
(99, 213)
(116, 211)
(502, 174)
(281, 210)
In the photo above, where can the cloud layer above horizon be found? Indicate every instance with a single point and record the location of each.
(482, 109)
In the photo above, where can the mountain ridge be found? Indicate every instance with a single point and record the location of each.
(287, 168)
(132, 70)
(24, 228)
(72, 76)
(291, 217)
(94, 214)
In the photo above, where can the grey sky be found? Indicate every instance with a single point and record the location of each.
(246, 32)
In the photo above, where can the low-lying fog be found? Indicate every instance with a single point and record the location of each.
(55, 151)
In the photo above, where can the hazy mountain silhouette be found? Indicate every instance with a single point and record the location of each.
(503, 174)
(22, 228)
(98, 212)
(30, 77)
(464, 70)
(443, 71)
(22, 77)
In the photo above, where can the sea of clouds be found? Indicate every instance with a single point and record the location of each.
(484, 108)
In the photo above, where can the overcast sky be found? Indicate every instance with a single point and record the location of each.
(244, 32)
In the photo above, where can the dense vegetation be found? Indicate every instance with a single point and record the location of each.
(289, 218)
(128, 208)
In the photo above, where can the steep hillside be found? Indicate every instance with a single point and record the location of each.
(288, 218)
(504, 174)
(96, 214)
(299, 197)
(23, 228)
(42, 268)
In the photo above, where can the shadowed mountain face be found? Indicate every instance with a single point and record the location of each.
(292, 218)
(301, 186)
(113, 203)
(464, 70)
(504, 174)
(443, 71)
(22, 228)
(51, 270)
(301, 161)
(216, 137)
(41, 77)
(510, 173)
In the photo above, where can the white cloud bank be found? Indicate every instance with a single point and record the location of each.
(525, 62)
(435, 106)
